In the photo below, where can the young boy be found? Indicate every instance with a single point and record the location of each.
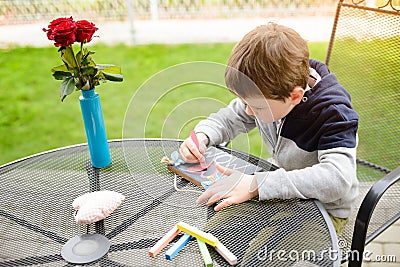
(304, 116)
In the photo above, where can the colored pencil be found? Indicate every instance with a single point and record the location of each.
(205, 253)
(174, 250)
(196, 142)
(226, 254)
(193, 231)
(171, 234)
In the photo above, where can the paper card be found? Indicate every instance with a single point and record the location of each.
(195, 174)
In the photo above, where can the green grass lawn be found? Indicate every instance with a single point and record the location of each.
(33, 119)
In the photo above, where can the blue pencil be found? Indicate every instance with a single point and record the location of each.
(172, 251)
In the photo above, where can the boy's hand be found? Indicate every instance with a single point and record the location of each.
(235, 187)
(189, 151)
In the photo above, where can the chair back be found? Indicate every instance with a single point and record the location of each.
(364, 53)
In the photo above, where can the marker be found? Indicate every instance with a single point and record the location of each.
(226, 254)
(196, 142)
(174, 250)
(164, 241)
(193, 231)
(204, 253)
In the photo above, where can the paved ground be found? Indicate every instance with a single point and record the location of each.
(171, 31)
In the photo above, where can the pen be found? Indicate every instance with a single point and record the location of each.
(196, 142)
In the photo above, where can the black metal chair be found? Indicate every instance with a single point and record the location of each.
(364, 54)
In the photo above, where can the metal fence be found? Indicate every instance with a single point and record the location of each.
(26, 11)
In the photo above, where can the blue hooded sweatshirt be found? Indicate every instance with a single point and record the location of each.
(314, 146)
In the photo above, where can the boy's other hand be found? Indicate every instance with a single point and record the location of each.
(189, 151)
(234, 188)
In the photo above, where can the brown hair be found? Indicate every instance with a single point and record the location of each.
(274, 58)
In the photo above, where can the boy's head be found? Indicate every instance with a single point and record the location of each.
(274, 58)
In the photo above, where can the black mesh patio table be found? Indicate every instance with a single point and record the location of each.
(36, 215)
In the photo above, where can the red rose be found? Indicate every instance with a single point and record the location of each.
(84, 31)
(62, 31)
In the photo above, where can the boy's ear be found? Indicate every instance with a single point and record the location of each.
(296, 95)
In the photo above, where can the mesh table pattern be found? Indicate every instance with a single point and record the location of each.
(36, 215)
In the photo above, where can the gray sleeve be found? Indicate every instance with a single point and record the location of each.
(332, 180)
(227, 123)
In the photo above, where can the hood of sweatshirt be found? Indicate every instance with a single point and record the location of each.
(325, 118)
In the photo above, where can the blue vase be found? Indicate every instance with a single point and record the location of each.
(95, 129)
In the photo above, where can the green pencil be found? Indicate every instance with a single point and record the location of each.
(204, 253)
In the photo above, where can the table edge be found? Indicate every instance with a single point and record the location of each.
(332, 231)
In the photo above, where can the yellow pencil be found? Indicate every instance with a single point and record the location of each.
(203, 236)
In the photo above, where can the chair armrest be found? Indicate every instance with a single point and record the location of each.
(365, 212)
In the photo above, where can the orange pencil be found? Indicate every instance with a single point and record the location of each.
(154, 250)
